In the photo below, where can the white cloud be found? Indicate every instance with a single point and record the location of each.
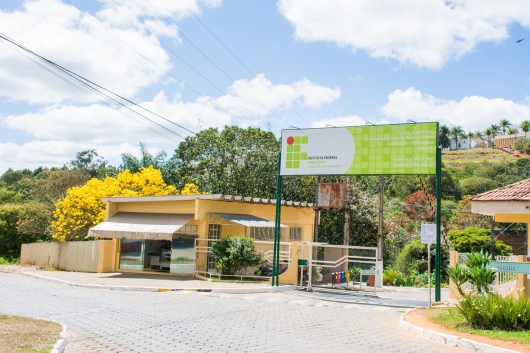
(424, 33)
(471, 112)
(67, 129)
(59, 32)
(35, 154)
(350, 120)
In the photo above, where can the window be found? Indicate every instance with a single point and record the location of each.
(214, 231)
(189, 229)
(262, 233)
(295, 233)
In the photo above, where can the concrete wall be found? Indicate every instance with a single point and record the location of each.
(82, 256)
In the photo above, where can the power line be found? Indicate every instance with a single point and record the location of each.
(80, 79)
(213, 63)
(245, 66)
(161, 69)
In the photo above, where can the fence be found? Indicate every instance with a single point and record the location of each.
(504, 284)
(206, 266)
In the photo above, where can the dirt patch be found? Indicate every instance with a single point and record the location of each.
(24, 335)
(16, 268)
(421, 318)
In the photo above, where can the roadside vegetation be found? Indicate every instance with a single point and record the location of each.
(26, 335)
(62, 203)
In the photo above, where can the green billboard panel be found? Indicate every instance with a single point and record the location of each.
(360, 150)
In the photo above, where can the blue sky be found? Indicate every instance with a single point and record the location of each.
(338, 62)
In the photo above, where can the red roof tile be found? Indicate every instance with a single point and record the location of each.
(514, 192)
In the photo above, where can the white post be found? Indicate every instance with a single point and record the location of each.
(429, 270)
(379, 274)
(310, 268)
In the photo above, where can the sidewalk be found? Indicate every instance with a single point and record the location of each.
(150, 282)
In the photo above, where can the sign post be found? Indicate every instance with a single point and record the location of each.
(428, 236)
(397, 149)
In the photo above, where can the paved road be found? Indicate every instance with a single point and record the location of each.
(117, 321)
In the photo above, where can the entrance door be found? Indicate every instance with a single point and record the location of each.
(182, 255)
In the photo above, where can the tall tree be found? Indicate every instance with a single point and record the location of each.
(525, 126)
(504, 124)
(470, 136)
(444, 140)
(511, 132)
(489, 134)
(89, 161)
(478, 136)
(457, 132)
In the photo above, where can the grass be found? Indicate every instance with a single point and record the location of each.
(453, 320)
(7, 262)
(26, 335)
(456, 158)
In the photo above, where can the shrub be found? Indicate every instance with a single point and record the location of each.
(527, 148)
(413, 257)
(491, 311)
(389, 276)
(235, 253)
(476, 185)
(473, 239)
(520, 144)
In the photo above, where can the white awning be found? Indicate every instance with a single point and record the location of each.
(245, 220)
(136, 225)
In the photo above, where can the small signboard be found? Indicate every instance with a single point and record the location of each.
(303, 262)
(510, 267)
(428, 233)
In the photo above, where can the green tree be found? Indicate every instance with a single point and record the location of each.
(11, 238)
(232, 254)
(489, 134)
(511, 132)
(414, 257)
(503, 125)
(525, 126)
(11, 176)
(478, 136)
(457, 132)
(474, 239)
(90, 162)
(444, 136)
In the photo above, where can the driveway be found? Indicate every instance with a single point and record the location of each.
(102, 320)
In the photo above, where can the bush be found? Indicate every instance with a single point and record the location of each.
(527, 148)
(476, 185)
(413, 257)
(389, 276)
(473, 239)
(520, 144)
(491, 311)
(235, 253)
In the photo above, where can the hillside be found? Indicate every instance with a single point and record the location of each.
(459, 159)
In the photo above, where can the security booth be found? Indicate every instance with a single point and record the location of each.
(174, 234)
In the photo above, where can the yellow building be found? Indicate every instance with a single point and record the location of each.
(174, 233)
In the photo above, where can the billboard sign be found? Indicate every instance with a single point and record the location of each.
(360, 150)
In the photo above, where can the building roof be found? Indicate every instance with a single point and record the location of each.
(514, 192)
(213, 197)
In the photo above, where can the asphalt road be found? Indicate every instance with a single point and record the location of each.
(101, 320)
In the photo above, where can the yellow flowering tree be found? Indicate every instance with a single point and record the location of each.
(82, 207)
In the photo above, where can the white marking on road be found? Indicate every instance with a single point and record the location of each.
(298, 302)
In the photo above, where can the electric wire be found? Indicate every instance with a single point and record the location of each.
(245, 66)
(81, 88)
(188, 64)
(161, 69)
(214, 64)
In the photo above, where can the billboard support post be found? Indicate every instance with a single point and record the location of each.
(438, 253)
(276, 250)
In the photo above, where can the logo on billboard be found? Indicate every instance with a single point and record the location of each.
(294, 151)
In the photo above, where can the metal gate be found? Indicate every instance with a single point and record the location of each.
(338, 258)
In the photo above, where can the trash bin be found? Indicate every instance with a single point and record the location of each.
(371, 280)
(347, 277)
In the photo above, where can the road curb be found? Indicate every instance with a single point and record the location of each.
(451, 340)
(60, 345)
(268, 289)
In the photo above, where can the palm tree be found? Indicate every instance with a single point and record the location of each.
(512, 131)
(495, 130)
(489, 133)
(443, 139)
(504, 124)
(525, 126)
(478, 136)
(457, 132)
(470, 136)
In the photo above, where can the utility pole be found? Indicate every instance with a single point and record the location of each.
(492, 226)
(317, 213)
(347, 222)
(379, 263)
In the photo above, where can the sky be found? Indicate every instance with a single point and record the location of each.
(198, 64)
